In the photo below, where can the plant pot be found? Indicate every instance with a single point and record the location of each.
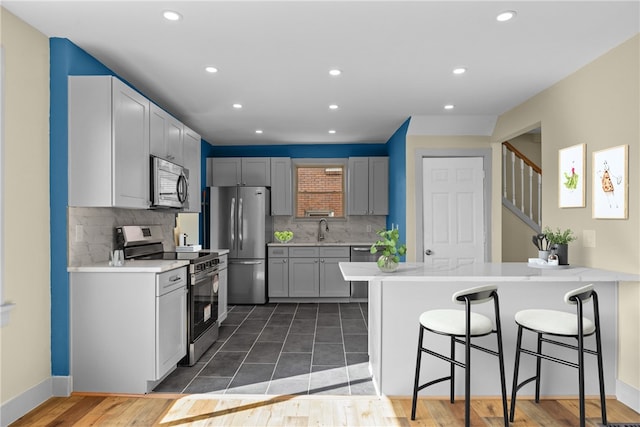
(387, 264)
(562, 250)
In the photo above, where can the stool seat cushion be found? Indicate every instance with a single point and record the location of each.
(452, 322)
(553, 322)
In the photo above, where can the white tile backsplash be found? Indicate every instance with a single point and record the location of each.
(341, 230)
(95, 238)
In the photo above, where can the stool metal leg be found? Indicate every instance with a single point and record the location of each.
(417, 377)
(538, 368)
(467, 368)
(603, 402)
(581, 363)
(503, 380)
(516, 367)
(453, 371)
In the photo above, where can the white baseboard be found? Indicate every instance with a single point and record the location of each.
(628, 395)
(20, 405)
(61, 386)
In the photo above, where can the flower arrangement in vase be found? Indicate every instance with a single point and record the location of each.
(391, 250)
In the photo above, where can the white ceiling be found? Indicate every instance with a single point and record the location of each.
(397, 59)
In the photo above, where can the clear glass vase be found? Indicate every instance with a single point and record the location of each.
(387, 264)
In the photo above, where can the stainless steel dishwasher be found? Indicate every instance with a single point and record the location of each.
(360, 290)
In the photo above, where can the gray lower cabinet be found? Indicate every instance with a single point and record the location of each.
(332, 284)
(307, 272)
(128, 329)
(304, 277)
(278, 272)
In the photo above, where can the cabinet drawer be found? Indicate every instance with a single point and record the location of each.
(304, 252)
(335, 251)
(171, 280)
(278, 251)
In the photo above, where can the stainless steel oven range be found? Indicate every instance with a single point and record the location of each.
(145, 242)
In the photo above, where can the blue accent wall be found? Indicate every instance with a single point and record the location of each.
(309, 151)
(397, 151)
(66, 59)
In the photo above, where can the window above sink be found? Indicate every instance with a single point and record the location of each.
(320, 188)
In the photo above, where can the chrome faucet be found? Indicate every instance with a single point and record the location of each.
(320, 230)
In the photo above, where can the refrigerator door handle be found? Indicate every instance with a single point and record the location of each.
(241, 221)
(232, 220)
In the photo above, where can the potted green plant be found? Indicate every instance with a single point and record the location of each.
(391, 250)
(559, 242)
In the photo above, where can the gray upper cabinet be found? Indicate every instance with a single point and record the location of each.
(166, 136)
(281, 191)
(108, 144)
(368, 186)
(256, 171)
(191, 154)
(224, 171)
(246, 171)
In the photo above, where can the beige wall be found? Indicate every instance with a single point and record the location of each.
(599, 106)
(25, 342)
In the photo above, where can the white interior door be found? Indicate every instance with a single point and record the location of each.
(453, 210)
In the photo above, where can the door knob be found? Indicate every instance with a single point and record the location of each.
(428, 252)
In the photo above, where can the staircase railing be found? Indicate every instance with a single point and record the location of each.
(522, 186)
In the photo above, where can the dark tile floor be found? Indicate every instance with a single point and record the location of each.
(283, 349)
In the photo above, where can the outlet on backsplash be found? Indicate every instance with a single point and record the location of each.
(368, 228)
(79, 233)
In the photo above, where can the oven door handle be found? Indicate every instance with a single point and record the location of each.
(200, 277)
(246, 262)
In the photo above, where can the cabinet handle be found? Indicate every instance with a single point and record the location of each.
(315, 261)
(284, 260)
(321, 260)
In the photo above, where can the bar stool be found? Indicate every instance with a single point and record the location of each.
(562, 324)
(461, 326)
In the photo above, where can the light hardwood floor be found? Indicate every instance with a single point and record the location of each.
(247, 411)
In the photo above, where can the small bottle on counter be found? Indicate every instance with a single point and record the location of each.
(553, 259)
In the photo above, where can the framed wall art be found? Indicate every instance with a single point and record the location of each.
(571, 176)
(610, 183)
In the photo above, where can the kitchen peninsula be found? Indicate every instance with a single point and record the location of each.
(397, 299)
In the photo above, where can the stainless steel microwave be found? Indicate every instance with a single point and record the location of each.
(169, 184)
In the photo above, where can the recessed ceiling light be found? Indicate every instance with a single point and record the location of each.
(171, 15)
(237, 106)
(449, 107)
(335, 72)
(459, 70)
(258, 131)
(211, 69)
(333, 107)
(332, 131)
(506, 16)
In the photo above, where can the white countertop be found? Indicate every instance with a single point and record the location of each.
(217, 251)
(131, 266)
(320, 244)
(496, 272)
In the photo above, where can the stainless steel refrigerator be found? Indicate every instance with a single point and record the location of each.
(241, 222)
